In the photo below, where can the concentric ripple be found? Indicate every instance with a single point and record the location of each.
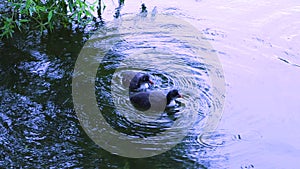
(172, 52)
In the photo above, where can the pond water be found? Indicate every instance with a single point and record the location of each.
(257, 44)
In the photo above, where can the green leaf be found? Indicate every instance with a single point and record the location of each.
(16, 5)
(70, 7)
(24, 20)
(30, 11)
(79, 3)
(88, 13)
(28, 2)
(79, 16)
(41, 8)
(92, 7)
(50, 15)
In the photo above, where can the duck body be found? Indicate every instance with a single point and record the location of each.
(141, 101)
(155, 100)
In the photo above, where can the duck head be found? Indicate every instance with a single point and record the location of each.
(172, 96)
(144, 80)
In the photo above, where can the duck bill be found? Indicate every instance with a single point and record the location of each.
(151, 82)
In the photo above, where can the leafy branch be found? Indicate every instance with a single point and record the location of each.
(44, 15)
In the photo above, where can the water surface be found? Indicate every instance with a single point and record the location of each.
(258, 45)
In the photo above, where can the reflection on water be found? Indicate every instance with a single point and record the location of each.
(257, 43)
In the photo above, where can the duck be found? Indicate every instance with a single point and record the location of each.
(137, 81)
(154, 100)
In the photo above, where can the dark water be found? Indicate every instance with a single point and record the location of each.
(39, 127)
(37, 118)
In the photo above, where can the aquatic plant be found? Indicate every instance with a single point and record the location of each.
(45, 15)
